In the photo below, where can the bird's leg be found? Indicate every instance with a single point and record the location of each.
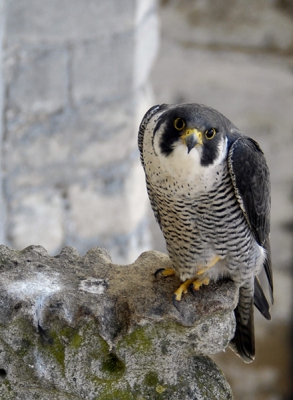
(197, 284)
(214, 261)
(201, 280)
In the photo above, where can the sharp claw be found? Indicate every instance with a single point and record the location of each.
(197, 284)
(165, 272)
(158, 271)
(192, 289)
(175, 301)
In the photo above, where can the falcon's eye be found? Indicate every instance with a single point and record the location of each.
(179, 124)
(210, 133)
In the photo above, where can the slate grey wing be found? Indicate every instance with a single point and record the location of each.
(250, 177)
(147, 117)
(251, 181)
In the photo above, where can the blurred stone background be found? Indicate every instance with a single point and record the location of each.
(74, 88)
(76, 77)
(237, 56)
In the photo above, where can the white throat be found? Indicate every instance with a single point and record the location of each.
(186, 169)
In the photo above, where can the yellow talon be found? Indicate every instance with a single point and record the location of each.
(185, 285)
(164, 272)
(168, 272)
(198, 283)
(182, 289)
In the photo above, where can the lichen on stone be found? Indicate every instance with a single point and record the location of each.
(126, 342)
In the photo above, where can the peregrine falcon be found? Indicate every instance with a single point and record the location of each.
(209, 189)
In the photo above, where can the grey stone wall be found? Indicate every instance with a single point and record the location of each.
(75, 88)
(2, 206)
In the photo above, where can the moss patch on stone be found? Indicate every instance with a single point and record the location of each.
(111, 363)
(57, 349)
(151, 378)
(138, 341)
(116, 394)
(76, 341)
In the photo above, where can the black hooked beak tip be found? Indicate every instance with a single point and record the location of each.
(190, 141)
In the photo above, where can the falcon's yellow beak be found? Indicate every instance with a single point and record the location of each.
(192, 138)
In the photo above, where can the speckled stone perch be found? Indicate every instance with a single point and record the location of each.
(80, 327)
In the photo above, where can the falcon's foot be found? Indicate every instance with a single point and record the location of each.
(194, 286)
(165, 272)
(198, 283)
(182, 289)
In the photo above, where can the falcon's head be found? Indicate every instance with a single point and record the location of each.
(188, 131)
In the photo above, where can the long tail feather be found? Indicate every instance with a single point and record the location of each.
(243, 343)
(260, 300)
(268, 269)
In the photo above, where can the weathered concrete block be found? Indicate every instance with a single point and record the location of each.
(114, 65)
(105, 77)
(39, 82)
(89, 161)
(2, 204)
(144, 8)
(75, 77)
(89, 207)
(31, 21)
(84, 140)
(248, 24)
(81, 327)
(111, 212)
(37, 218)
(146, 47)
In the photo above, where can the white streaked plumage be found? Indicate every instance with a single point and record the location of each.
(197, 188)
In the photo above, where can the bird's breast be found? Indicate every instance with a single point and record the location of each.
(177, 180)
(200, 221)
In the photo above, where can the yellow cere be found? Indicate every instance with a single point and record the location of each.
(192, 131)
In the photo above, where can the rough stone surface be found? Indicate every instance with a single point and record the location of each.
(81, 327)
